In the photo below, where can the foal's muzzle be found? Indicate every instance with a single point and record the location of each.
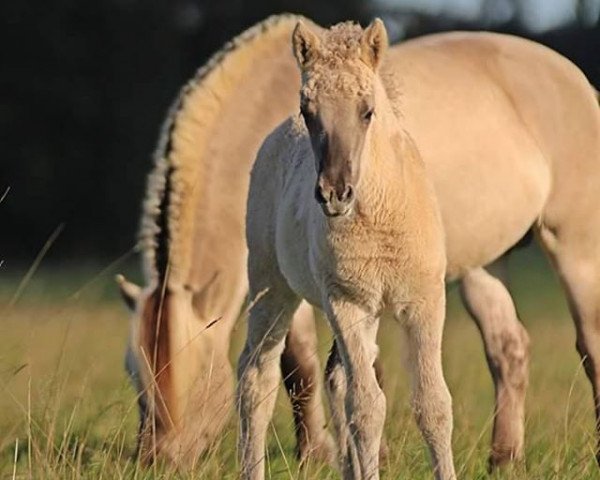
(334, 201)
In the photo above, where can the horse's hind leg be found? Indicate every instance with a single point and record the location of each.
(506, 347)
(258, 370)
(574, 249)
(302, 373)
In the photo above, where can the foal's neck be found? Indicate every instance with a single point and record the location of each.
(386, 173)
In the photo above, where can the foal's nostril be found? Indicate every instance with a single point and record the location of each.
(346, 195)
(349, 193)
(323, 195)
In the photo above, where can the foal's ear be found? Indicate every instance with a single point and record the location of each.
(305, 44)
(130, 292)
(374, 43)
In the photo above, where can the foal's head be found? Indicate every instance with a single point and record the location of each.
(339, 102)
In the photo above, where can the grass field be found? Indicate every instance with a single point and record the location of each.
(67, 411)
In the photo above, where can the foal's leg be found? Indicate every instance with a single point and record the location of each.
(259, 374)
(431, 399)
(576, 255)
(335, 386)
(301, 374)
(507, 350)
(364, 404)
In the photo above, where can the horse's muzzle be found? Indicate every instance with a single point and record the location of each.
(335, 202)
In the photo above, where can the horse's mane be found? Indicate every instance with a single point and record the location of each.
(180, 162)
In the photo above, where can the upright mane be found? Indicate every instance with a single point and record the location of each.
(339, 44)
(182, 163)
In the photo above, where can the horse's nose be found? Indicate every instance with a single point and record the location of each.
(346, 194)
(335, 200)
(323, 193)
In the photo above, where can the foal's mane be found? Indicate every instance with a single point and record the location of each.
(342, 43)
(181, 163)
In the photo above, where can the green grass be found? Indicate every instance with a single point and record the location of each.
(67, 411)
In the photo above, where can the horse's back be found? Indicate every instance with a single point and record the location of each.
(496, 119)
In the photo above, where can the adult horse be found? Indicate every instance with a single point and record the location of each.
(194, 256)
(510, 132)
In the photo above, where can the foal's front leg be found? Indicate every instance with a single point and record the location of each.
(355, 333)
(259, 376)
(335, 383)
(431, 399)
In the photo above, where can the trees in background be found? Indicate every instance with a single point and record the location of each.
(85, 86)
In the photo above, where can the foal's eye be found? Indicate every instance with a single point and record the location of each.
(368, 115)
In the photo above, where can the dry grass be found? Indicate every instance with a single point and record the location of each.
(67, 411)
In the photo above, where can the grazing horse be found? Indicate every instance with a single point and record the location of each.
(195, 258)
(341, 212)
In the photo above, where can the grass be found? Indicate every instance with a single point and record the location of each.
(67, 411)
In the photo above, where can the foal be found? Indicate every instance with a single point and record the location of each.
(342, 214)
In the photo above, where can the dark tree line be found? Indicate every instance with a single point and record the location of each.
(84, 88)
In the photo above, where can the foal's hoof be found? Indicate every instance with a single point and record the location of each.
(501, 457)
(320, 451)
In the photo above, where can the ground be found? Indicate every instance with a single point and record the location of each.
(67, 410)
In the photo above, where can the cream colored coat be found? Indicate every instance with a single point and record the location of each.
(509, 131)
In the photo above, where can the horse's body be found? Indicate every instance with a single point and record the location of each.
(510, 134)
(503, 124)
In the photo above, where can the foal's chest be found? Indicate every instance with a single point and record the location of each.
(371, 263)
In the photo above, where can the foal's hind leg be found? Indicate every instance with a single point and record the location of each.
(506, 347)
(302, 373)
(576, 255)
(259, 374)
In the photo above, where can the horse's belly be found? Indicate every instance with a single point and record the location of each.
(488, 206)
(489, 173)
(491, 181)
